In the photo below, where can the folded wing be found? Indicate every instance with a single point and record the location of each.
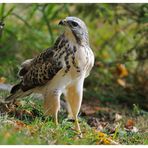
(38, 71)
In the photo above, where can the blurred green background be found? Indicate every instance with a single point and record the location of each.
(118, 36)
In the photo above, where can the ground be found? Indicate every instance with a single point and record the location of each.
(115, 103)
(24, 123)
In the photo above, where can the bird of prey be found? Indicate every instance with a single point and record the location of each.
(58, 70)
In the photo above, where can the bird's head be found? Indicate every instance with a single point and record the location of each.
(75, 29)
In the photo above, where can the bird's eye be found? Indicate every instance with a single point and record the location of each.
(74, 24)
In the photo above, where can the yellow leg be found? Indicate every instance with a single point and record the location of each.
(52, 106)
(77, 126)
(73, 96)
(55, 117)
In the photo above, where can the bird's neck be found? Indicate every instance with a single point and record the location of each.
(75, 40)
(70, 37)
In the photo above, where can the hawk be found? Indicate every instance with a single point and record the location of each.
(58, 70)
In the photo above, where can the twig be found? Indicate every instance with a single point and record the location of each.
(47, 23)
(22, 19)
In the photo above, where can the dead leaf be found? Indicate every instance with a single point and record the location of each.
(90, 109)
(19, 125)
(122, 71)
(2, 79)
(129, 124)
(132, 129)
(121, 82)
(118, 117)
(94, 122)
(105, 139)
(100, 134)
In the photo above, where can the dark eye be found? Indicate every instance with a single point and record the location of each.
(74, 24)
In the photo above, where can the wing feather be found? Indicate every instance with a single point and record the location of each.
(39, 70)
(25, 66)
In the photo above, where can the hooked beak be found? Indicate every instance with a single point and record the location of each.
(63, 22)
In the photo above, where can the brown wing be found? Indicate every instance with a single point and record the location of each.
(25, 66)
(38, 71)
(41, 69)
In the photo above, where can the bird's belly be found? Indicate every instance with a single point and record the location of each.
(81, 68)
(59, 82)
(84, 63)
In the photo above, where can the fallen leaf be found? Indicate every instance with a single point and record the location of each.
(132, 129)
(2, 79)
(105, 139)
(89, 109)
(121, 82)
(122, 71)
(118, 117)
(19, 125)
(101, 134)
(129, 124)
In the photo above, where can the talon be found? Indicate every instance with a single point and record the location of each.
(77, 125)
(80, 135)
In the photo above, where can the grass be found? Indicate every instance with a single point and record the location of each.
(25, 128)
(39, 132)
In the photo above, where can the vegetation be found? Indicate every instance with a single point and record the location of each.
(119, 79)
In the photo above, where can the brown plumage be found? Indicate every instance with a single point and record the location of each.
(38, 71)
(57, 70)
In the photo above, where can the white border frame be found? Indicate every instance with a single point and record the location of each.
(73, 1)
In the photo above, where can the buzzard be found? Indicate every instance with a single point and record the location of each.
(58, 70)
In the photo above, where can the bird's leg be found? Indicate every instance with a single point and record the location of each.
(73, 96)
(77, 126)
(52, 106)
(70, 114)
(56, 118)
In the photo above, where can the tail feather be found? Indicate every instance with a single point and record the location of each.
(18, 93)
(15, 88)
